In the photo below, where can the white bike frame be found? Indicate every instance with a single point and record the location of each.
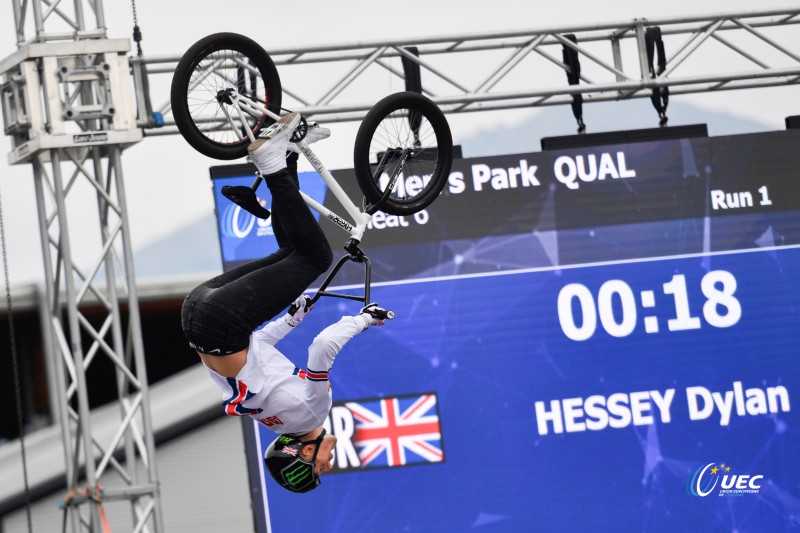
(360, 219)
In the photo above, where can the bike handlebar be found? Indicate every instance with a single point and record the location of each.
(383, 314)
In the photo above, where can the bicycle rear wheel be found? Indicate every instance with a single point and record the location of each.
(406, 135)
(211, 67)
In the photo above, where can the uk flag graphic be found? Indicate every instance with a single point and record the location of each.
(398, 431)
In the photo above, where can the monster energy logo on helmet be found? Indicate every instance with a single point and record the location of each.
(298, 474)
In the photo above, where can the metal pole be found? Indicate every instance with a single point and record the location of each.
(134, 325)
(57, 394)
(18, 22)
(50, 361)
(116, 329)
(75, 333)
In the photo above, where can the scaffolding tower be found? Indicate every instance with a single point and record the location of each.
(68, 105)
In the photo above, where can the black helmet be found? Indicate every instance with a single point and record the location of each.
(288, 468)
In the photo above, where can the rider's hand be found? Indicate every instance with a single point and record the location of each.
(298, 310)
(372, 315)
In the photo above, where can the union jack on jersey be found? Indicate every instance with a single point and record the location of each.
(397, 431)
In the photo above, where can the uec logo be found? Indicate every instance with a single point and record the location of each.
(705, 480)
(238, 223)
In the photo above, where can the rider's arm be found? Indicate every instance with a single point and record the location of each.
(330, 341)
(321, 354)
(277, 329)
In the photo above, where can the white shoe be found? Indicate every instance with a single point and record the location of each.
(315, 133)
(268, 152)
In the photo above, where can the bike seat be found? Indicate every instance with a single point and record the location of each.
(245, 197)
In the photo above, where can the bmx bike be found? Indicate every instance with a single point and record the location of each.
(226, 90)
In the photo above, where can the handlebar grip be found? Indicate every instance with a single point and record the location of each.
(381, 314)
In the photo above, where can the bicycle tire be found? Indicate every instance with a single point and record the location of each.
(215, 63)
(410, 121)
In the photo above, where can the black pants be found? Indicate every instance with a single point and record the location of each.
(219, 315)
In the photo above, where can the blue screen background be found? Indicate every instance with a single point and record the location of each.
(492, 346)
(475, 293)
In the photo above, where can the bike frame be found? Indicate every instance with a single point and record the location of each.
(359, 218)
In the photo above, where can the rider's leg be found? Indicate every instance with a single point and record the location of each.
(277, 227)
(225, 310)
(222, 313)
(295, 222)
(272, 288)
(285, 246)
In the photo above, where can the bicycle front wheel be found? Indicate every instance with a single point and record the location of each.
(404, 135)
(200, 96)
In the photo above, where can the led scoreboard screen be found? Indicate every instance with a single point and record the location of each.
(595, 338)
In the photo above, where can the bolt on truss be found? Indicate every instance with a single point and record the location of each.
(480, 72)
(68, 105)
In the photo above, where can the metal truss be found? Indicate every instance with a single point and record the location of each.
(107, 282)
(68, 105)
(529, 68)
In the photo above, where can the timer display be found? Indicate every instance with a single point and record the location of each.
(616, 306)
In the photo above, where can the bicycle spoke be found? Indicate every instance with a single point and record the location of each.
(220, 71)
(224, 91)
(396, 133)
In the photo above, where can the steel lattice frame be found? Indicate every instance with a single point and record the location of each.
(74, 142)
(526, 67)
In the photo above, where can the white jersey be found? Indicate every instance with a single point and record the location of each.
(271, 389)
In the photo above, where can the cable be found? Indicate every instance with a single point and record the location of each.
(153, 119)
(15, 370)
(137, 34)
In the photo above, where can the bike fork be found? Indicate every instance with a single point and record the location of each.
(355, 254)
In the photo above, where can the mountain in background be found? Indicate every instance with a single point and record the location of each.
(178, 253)
(598, 117)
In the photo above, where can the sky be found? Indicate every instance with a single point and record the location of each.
(166, 181)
